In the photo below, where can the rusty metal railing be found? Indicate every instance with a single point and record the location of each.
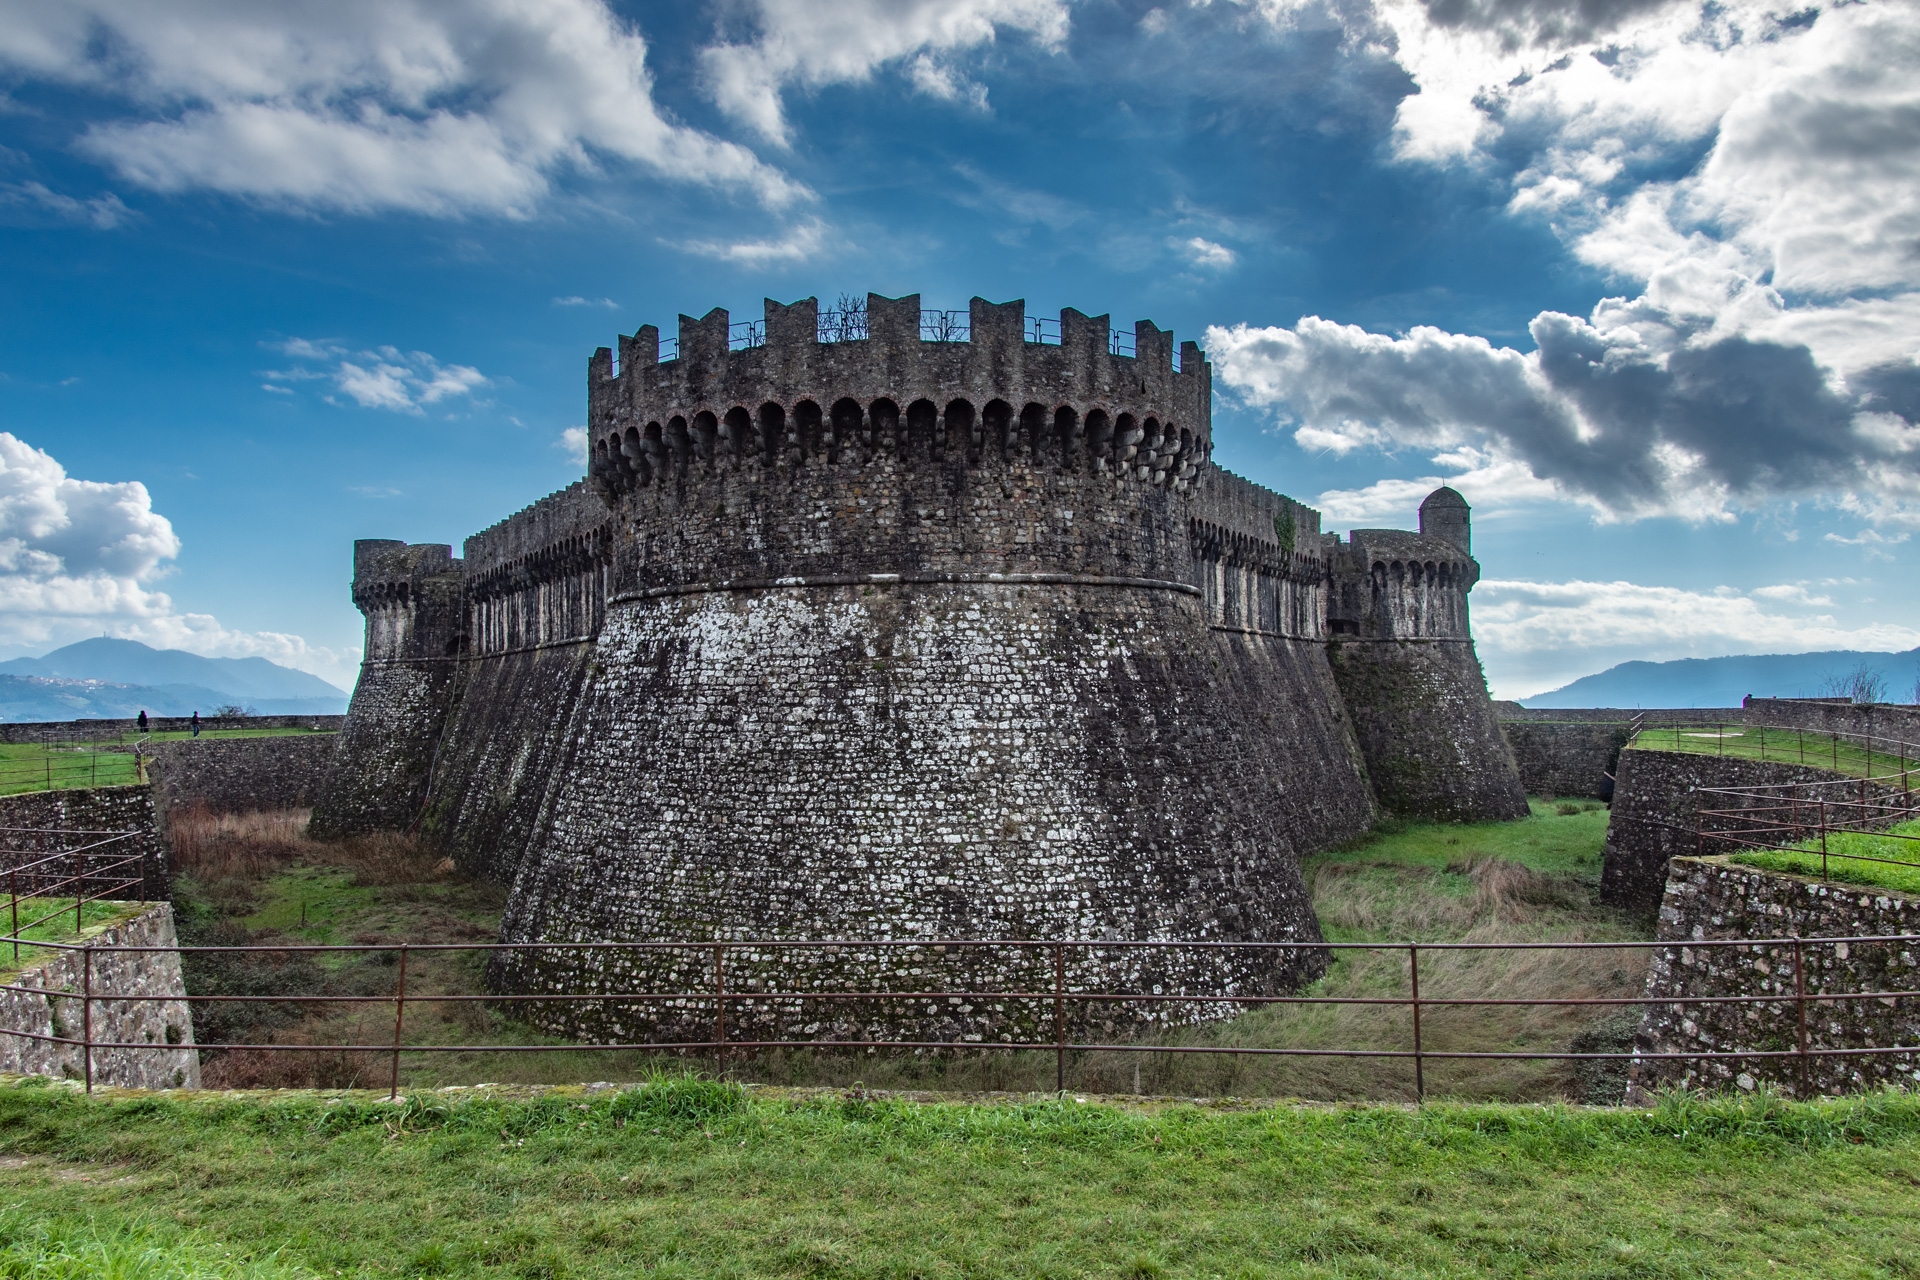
(1060, 996)
(94, 867)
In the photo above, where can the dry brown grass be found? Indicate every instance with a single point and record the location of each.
(212, 846)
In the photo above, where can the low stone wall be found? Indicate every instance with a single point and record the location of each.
(1880, 719)
(1653, 815)
(1620, 715)
(1565, 758)
(99, 730)
(44, 1000)
(1710, 898)
(37, 818)
(235, 774)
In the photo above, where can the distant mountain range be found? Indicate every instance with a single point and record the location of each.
(109, 679)
(1723, 682)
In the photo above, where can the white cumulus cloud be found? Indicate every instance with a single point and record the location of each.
(383, 378)
(80, 558)
(441, 107)
(1753, 171)
(813, 43)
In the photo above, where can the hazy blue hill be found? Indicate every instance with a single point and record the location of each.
(1723, 682)
(128, 662)
(25, 698)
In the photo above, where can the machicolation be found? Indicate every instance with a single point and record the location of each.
(886, 625)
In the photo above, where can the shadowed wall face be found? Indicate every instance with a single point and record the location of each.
(413, 599)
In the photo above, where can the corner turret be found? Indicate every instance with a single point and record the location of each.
(1446, 515)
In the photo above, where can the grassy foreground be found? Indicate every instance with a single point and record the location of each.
(1787, 746)
(692, 1178)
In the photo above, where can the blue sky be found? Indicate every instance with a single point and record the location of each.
(1642, 279)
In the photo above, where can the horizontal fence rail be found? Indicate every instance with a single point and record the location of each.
(725, 1000)
(88, 866)
(1867, 755)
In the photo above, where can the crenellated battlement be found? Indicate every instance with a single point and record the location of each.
(883, 385)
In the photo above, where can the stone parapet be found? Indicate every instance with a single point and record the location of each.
(1710, 899)
(45, 999)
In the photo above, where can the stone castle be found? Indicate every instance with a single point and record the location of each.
(899, 625)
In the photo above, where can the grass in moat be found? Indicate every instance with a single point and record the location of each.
(1784, 746)
(693, 1178)
(257, 880)
(1851, 858)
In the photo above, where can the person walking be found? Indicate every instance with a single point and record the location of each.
(196, 724)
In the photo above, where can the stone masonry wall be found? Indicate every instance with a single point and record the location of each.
(232, 775)
(1710, 898)
(414, 601)
(1653, 815)
(1882, 720)
(37, 822)
(154, 1036)
(1425, 726)
(975, 761)
(1565, 758)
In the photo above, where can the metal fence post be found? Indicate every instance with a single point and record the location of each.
(86, 1015)
(1060, 1017)
(1823, 839)
(399, 1022)
(1800, 1003)
(720, 1004)
(13, 892)
(79, 889)
(1419, 1062)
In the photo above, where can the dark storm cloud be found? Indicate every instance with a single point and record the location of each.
(1548, 23)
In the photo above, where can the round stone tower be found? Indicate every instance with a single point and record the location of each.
(908, 636)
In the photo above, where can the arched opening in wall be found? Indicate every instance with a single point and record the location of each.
(601, 463)
(705, 428)
(1033, 433)
(1399, 575)
(1183, 461)
(679, 448)
(845, 418)
(808, 431)
(996, 422)
(1414, 575)
(1099, 439)
(1446, 575)
(771, 433)
(883, 418)
(922, 418)
(736, 431)
(1379, 575)
(961, 442)
(1148, 457)
(1126, 441)
(1066, 433)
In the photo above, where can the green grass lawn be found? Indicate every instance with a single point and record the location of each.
(1788, 746)
(33, 766)
(51, 920)
(55, 766)
(687, 1178)
(1847, 859)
